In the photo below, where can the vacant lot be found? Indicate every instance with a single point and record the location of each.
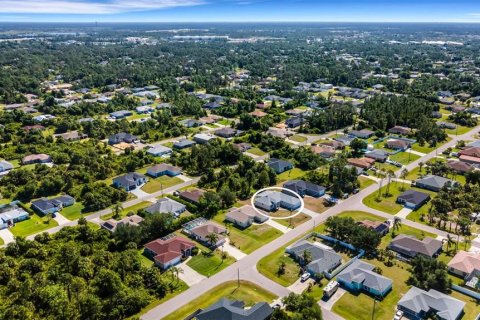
(404, 157)
(161, 183)
(293, 174)
(125, 211)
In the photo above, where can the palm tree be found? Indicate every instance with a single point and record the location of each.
(403, 175)
(390, 175)
(175, 272)
(212, 238)
(281, 268)
(397, 224)
(420, 166)
(116, 210)
(450, 242)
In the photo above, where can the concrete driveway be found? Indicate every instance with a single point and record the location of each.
(7, 236)
(61, 220)
(189, 276)
(298, 287)
(333, 299)
(139, 193)
(233, 251)
(403, 213)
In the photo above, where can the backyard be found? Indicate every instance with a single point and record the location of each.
(247, 292)
(295, 173)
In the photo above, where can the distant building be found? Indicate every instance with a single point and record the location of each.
(279, 165)
(400, 130)
(362, 134)
(183, 144)
(159, 150)
(122, 137)
(203, 138)
(5, 166)
(121, 114)
(226, 132)
(36, 158)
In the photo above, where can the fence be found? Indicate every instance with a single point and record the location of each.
(467, 292)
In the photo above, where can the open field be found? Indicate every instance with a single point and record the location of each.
(163, 182)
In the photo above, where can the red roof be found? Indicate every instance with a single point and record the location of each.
(472, 152)
(167, 250)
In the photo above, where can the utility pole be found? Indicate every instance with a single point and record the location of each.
(373, 311)
(238, 277)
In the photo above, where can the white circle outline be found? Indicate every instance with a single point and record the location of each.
(299, 210)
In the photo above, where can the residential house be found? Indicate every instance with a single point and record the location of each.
(122, 137)
(400, 130)
(324, 151)
(129, 181)
(5, 166)
(167, 205)
(346, 140)
(34, 127)
(446, 125)
(112, 224)
(460, 167)
(304, 188)
(203, 138)
(192, 195)
(433, 183)
(144, 109)
(410, 247)
(465, 264)
(363, 163)
(396, 144)
(242, 147)
(470, 151)
(361, 134)
(419, 304)
(295, 122)
(469, 160)
(273, 200)
(12, 213)
(212, 105)
(279, 165)
(436, 114)
(159, 150)
(46, 206)
(360, 276)
(377, 155)
(379, 227)
(122, 114)
(226, 132)
(277, 132)
(183, 144)
(162, 169)
(190, 123)
(225, 309)
(169, 252)
(413, 199)
(258, 114)
(245, 216)
(201, 233)
(36, 158)
(338, 145)
(71, 136)
(322, 260)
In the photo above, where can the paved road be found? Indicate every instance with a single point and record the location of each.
(246, 268)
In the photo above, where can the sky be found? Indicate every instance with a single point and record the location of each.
(240, 11)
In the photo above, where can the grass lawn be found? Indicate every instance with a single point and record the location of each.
(125, 211)
(92, 225)
(385, 166)
(256, 152)
(225, 122)
(137, 116)
(295, 221)
(388, 203)
(247, 292)
(207, 263)
(73, 212)
(5, 201)
(154, 185)
(365, 182)
(268, 266)
(252, 238)
(426, 148)
(33, 225)
(298, 138)
(458, 131)
(295, 173)
(403, 157)
(1, 242)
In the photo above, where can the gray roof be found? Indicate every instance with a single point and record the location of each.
(412, 245)
(434, 181)
(414, 196)
(165, 205)
(276, 197)
(129, 179)
(420, 301)
(301, 186)
(362, 272)
(377, 154)
(225, 309)
(159, 149)
(323, 260)
(184, 143)
(278, 164)
(5, 165)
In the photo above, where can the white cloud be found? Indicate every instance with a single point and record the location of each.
(92, 7)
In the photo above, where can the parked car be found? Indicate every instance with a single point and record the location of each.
(398, 315)
(355, 191)
(305, 277)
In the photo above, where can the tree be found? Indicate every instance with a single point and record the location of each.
(358, 146)
(403, 175)
(397, 224)
(450, 241)
(212, 239)
(390, 175)
(117, 209)
(281, 268)
(420, 166)
(427, 273)
(299, 307)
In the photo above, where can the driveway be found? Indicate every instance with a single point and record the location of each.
(184, 178)
(7, 236)
(139, 193)
(403, 213)
(298, 287)
(61, 220)
(232, 251)
(333, 299)
(277, 225)
(189, 276)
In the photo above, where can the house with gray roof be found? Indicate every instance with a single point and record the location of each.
(279, 165)
(273, 200)
(129, 181)
(12, 213)
(121, 114)
(162, 169)
(226, 132)
(410, 247)
(46, 206)
(159, 150)
(304, 188)
(203, 138)
(377, 155)
(122, 137)
(323, 260)
(346, 140)
(413, 199)
(225, 309)
(361, 134)
(420, 304)
(5, 166)
(245, 216)
(167, 205)
(359, 276)
(183, 144)
(433, 183)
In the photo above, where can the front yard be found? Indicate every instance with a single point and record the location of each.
(161, 183)
(73, 212)
(298, 138)
(404, 157)
(295, 173)
(33, 225)
(125, 211)
(208, 263)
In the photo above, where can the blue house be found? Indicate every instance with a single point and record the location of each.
(12, 213)
(304, 188)
(46, 206)
(129, 181)
(279, 165)
(121, 114)
(360, 277)
(162, 169)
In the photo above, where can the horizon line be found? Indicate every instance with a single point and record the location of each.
(237, 22)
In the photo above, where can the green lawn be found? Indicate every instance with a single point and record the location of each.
(295, 173)
(404, 157)
(5, 201)
(426, 148)
(298, 138)
(207, 263)
(163, 182)
(385, 166)
(268, 266)
(137, 116)
(125, 211)
(73, 212)
(33, 225)
(1, 242)
(225, 122)
(248, 292)
(256, 151)
(458, 131)
(251, 238)
(365, 182)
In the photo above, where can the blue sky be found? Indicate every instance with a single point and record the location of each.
(239, 10)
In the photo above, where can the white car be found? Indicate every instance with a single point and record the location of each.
(305, 277)
(398, 315)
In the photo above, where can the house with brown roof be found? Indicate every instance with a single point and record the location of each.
(338, 145)
(192, 195)
(258, 114)
(112, 224)
(396, 144)
(364, 163)
(36, 158)
(410, 247)
(465, 264)
(324, 151)
(400, 130)
(471, 152)
(201, 233)
(169, 252)
(34, 127)
(71, 136)
(459, 166)
(469, 159)
(245, 216)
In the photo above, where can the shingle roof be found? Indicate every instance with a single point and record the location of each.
(226, 309)
(278, 164)
(165, 205)
(427, 246)
(433, 181)
(465, 262)
(444, 306)
(322, 260)
(167, 250)
(301, 186)
(362, 272)
(414, 196)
